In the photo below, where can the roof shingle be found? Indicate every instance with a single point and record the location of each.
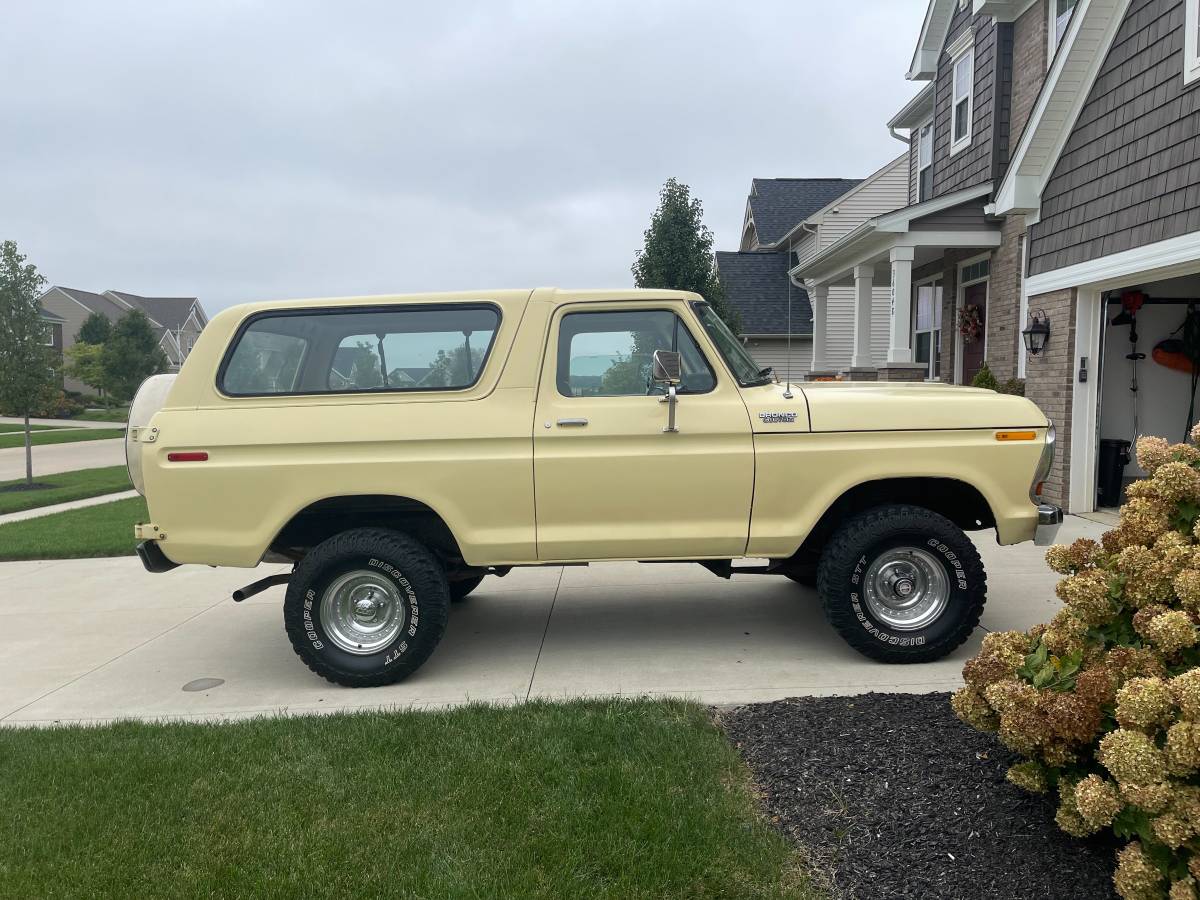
(779, 204)
(757, 284)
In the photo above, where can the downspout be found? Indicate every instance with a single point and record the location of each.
(901, 138)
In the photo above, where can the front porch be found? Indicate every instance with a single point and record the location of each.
(935, 256)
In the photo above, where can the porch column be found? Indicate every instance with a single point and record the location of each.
(863, 287)
(900, 326)
(819, 299)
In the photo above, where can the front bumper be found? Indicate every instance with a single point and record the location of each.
(1049, 519)
(153, 558)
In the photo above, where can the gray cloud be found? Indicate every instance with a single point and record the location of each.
(238, 150)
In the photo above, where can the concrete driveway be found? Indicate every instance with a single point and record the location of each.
(51, 459)
(94, 640)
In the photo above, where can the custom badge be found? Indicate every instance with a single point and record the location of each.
(778, 418)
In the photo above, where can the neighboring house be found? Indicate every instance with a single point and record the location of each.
(786, 219)
(177, 321)
(54, 328)
(1055, 166)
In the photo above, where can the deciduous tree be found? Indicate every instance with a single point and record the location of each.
(28, 367)
(131, 355)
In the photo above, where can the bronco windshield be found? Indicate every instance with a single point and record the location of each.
(747, 372)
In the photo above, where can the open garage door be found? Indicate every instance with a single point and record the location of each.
(1148, 384)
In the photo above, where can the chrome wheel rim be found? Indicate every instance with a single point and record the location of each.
(906, 588)
(361, 612)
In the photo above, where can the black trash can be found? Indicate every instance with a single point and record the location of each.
(1114, 457)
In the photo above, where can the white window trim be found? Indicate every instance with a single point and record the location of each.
(49, 342)
(929, 165)
(958, 51)
(933, 281)
(1191, 43)
(1024, 317)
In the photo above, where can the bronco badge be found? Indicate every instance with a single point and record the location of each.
(777, 418)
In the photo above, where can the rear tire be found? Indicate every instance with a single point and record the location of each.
(902, 584)
(366, 607)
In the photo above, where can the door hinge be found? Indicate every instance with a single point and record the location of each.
(143, 435)
(148, 531)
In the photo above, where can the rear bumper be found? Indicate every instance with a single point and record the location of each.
(153, 558)
(1048, 521)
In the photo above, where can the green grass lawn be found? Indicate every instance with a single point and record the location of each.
(67, 486)
(17, 439)
(117, 414)
(104, 530)
(6, 428)
(586, 799)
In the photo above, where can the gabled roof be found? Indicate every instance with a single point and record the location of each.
(49, 316)
(776, 205)
(1072, 73)
(96, 303)
(167, 312)
(756, 283)
(931, 40)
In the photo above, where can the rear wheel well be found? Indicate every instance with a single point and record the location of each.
(323, 519)
(958, 501)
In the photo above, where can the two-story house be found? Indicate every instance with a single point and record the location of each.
(1054, 182)
(788, 220)
(177, 321)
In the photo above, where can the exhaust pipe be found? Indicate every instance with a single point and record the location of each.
(259, 586)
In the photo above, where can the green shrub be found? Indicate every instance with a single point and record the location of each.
(59, 406)
(1104, 701)
(985, 379)
(1013, 386)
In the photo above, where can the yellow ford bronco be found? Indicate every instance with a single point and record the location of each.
(397, 450)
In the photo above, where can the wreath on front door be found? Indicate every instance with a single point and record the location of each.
(970, 323)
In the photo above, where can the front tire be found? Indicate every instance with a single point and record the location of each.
(366, 607)
(902, 584)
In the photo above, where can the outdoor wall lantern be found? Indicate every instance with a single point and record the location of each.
(1037, 333)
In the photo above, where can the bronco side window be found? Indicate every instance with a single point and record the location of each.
(373, 349)
(608, 354)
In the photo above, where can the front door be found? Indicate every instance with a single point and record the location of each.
(609, 482)
(973, 327)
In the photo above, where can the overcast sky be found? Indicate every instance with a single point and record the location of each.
(238, 150)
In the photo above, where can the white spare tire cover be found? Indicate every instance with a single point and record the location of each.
(148, 400)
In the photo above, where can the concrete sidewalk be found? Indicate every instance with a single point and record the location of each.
(94, 640)
(50, 459)
(38, 511)
(60, 423)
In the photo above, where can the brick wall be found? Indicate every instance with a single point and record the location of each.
(1029, 65)
(1049, 381)
(1004, 301)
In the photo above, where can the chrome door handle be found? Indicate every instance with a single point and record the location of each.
(572, 423)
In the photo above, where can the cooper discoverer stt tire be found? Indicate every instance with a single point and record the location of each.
(902, 584)
(366, 607)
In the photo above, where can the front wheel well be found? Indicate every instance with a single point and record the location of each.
(323, 519)
(958, 501)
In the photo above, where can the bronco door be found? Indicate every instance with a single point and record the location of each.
(609, 481)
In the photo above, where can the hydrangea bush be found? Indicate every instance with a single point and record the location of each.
(1104, 700)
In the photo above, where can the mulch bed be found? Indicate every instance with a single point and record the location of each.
(892, 796)
(36, 486)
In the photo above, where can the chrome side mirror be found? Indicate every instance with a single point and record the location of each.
(668, 369)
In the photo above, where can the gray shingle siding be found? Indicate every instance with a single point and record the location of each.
(1129, 174)
(976, 163)
(966, 217)
(756, 284)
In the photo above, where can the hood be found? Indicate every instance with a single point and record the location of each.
(897, 406)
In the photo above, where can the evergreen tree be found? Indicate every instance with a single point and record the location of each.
(96, 329)
(678, 253)
(28, 367)
(131, 355)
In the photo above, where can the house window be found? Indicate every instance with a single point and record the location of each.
(925, 162)
(977, 271)
(1060, 19)
(1191, 40)
(927, 328)
(49, 334)
(964, 82)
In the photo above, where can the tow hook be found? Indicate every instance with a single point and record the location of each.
(259, 586)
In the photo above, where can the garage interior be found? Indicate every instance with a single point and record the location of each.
(1150, 364)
